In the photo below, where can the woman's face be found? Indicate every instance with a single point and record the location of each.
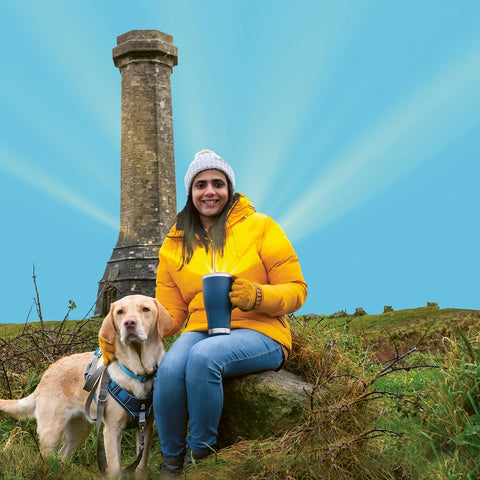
(209, 195)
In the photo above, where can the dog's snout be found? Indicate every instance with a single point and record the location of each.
(130, 322)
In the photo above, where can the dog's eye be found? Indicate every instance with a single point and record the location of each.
(145, 309)
(120, 311)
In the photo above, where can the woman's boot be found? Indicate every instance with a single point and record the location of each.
(193, 457)
(171, 467)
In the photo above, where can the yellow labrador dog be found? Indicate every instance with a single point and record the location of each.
(136, 324)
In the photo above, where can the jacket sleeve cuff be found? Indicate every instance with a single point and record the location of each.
(272, 303)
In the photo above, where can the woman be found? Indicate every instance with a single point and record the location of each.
(218, 230)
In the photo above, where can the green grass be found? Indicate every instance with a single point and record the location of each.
(11, 330)
(402, 419)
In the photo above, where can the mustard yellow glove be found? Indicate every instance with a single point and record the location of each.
(245, 295)
(108, 350)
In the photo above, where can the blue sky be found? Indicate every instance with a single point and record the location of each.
(354, 124)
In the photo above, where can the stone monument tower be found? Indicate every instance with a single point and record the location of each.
(148, 194)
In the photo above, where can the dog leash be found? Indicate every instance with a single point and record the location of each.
(142, 420)
(91, 382)
(92, 377)
(101, 401)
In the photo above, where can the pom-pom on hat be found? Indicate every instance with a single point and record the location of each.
(207, 160)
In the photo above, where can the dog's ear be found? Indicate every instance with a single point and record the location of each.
(164, 320)
(107, 330)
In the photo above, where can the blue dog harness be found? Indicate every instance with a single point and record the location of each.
(138, 408)
(133, 405)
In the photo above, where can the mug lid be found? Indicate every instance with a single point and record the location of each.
(217, 274)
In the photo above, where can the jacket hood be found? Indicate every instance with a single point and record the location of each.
(240, 210)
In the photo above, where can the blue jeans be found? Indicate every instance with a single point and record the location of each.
(188, 386)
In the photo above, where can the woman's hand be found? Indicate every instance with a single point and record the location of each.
(245, 295)
(108, 350)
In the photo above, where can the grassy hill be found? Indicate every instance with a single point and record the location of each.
(366, 419)
(392, 332)
(10, 330)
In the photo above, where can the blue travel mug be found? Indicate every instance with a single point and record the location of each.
(216, 289)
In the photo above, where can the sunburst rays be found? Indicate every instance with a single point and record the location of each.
(428, 119)
(34, 176)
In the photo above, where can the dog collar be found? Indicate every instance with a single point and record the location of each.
(142, 378)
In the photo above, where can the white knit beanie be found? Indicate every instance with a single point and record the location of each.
(207, 160)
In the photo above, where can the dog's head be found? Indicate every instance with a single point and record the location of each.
(136, 321)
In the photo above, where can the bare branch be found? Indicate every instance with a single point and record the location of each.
(36, 299)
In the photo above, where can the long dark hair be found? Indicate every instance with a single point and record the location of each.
(194, 235)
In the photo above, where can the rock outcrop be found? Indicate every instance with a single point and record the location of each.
(261, 405)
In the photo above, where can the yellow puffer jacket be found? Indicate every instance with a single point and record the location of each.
(256, 249)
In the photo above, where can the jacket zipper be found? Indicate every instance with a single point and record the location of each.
(214, 266)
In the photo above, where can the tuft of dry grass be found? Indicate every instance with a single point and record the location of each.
(451, 417)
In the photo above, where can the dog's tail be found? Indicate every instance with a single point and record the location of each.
(22, 408)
